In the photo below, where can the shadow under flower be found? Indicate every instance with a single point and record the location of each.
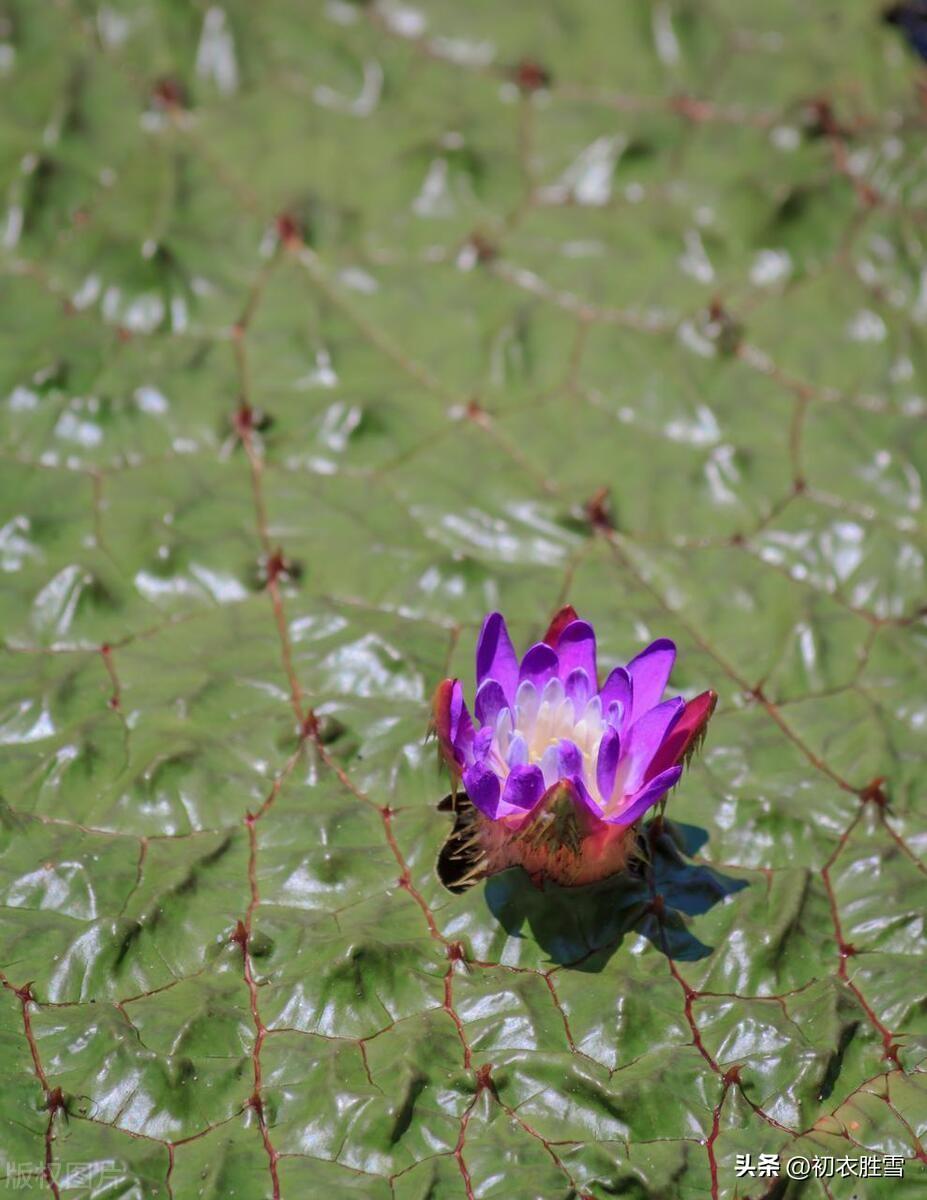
(582, 927)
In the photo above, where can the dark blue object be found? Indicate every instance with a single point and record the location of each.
(911, 19)
(582, 927)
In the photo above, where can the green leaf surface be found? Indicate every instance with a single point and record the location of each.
(326, 330)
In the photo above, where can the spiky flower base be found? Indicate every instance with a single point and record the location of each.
(555, 844)
(570, 860)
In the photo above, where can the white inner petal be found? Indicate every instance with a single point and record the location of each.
(527, 703)
(517, 755)
(502, 735)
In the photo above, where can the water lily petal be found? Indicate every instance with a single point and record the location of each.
(490, 701)
(539, 665)
(495, 655)
(483, 788)
(646, 797)
(607, 764)
(578, 688)
(650, 672)
(645, 738)
(576, 648)
(585, 799)
(569, 759)
(618, 688)
(550, 765)
(527, 703)
(503, 729)
(523, 789)
(482, 743)
(553, 692)
(518, 751)
(593, 712)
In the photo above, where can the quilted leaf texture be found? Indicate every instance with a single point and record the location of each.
(327, 329)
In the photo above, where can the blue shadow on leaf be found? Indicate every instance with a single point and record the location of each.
(582, 927)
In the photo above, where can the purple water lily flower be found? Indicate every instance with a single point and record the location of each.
(559, 769)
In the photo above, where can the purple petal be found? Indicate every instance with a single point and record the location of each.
(645, 739)
(523, 789)
(585, 799)
(490, 701)
(569, 760)
(482, 743)
(618, 688)
(650, 672)
(539, 665)
(655, 790)
(495, 655)
(578, 688)
(576, 649)
(483, 788)
(607, 764)
(615, 715)
(460, 732)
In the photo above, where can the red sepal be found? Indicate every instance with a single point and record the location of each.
(441, 720)
(684, 735)
(561, 619)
